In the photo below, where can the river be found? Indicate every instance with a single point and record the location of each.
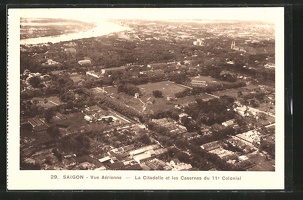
(102, 28)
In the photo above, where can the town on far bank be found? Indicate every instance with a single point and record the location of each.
(164, 95)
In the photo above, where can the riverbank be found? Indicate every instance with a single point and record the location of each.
(102, 28)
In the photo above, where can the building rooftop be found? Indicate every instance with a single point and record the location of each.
(211, 145)
(133, 167)
(107, 158)
(140, 157)
(36, 122)
(143, 149)
(84, 62)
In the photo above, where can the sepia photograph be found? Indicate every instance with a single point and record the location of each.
(147, 94)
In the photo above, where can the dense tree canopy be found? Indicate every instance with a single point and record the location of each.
(157, 93)
(35, 81)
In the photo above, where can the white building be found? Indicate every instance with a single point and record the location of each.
(93, 74)
(199, 83)
(84, 62)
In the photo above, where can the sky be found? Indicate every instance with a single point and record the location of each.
(94, 14)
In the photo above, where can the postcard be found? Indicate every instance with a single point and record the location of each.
(145, 98)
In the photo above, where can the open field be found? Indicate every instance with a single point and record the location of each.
(48, 102)
(151, 103)
(168, 88)
(229, 92)
(127, 100)
(191, 99)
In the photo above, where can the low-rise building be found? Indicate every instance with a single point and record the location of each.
(84, 62)
(182, 167)
(269, 65)
(228, 123)
(157, 65)
(105, 159)
(133, 167)
(252, 137)
(92, 74)
(142, 157)
(198, 42)
(243, 165)
(51, 62)
(211, 145)
(143, 149)
(171, 125)
(37, 124)
(198, 83)
(157, 164)
(160, 151)
(224, 154)
(106, 70)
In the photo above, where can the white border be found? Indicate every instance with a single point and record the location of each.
(41, 179)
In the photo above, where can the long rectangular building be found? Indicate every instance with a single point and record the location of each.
(37, 124)
(143, 149)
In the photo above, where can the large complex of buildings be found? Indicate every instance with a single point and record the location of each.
(88, 108)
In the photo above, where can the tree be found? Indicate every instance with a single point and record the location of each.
(262, 116)
(57, 153)
(35, 81)
(188, 123)
(68, 144)
(254, 102)
(48, 115)
(157, 94)
(110, 119)
(240, 94)
(83, 141)
(175, 115)
(67, 96)
(181, 144)
(53, 131)
(129, 89)
(144, 139)
(183, 157)
(228, 76)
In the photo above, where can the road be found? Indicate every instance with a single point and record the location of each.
(270, 125)
(257, 110)
(120, 116)
(181, 85)
(212, 95)
(53, 102)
